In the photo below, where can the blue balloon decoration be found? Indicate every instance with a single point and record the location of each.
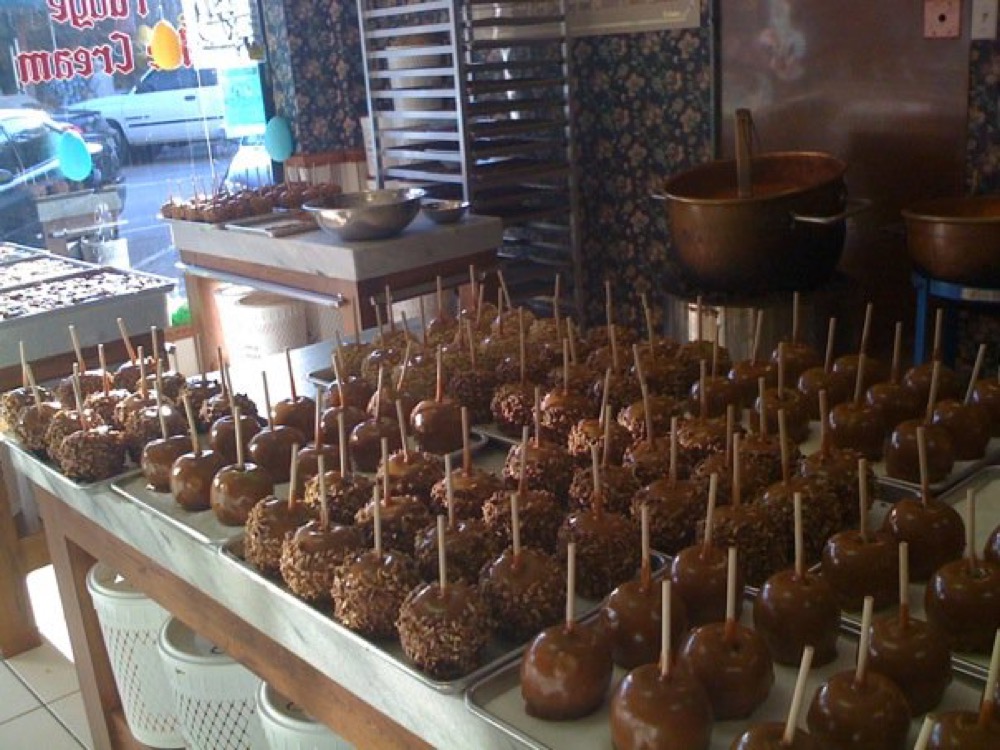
(278, 140)
(74, 157)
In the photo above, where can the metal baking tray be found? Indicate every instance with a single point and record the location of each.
(961, 471)
(53, 471)
(45, 333)
(202, 525)
(986, 486)
(33, 269)
(498, 652)
(497, 700)
(11, 253)
(275, 224)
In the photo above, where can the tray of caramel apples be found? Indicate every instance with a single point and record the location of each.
(951, 563)
(411, 618)
(729, 683)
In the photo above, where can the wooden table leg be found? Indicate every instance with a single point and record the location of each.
(97, 683)
(18, 632)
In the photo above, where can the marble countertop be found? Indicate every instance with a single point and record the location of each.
(421, 244)
(441, 719)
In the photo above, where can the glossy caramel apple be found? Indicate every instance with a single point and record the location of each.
(271, 449)
(915, 656)
(918, 380)
(437, 426)
(799, 357)
(838, 386)
(796, 412)
(698, 574)
(734, 665)
(649, 710)
(896, 402)
(858, 426)
(856, 568)
(298, 412)
(366, 442)
(935, 532)
(902, 459)
(962, 600)
(870, 715)
(307, 462)
(236, 489)
(158, 460)
(330, 425)
(792, 612)
(875, 370)
(720, 392)
(986, 393)
(770, 736)
(222, 436)
(963, 730)
(745, 375)
(631, 616)
(354, 391)
(968, 425)
(191, 479)
(565, 672)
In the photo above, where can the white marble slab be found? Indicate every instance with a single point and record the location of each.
(421, 244)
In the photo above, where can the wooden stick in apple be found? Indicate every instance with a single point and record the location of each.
(76, 347)
(570, 585)
(665, 619)
(864, 639)
(980, 355)
(293, 477)
(731, 594)
(324, 501)
(466, 443)
(105, 375)
(126, 340)
(987, 709)
(788, 737)
(442, 557)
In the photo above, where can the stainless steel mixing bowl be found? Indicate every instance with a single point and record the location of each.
(368, 215)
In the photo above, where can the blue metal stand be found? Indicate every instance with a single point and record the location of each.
(947, 292)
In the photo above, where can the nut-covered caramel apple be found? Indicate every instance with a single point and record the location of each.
(269, 523)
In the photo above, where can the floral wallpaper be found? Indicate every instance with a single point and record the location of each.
(983, 163)
(642, 112)
(314, 50)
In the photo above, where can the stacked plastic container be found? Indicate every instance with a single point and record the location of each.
(287, 727)
(130, 624)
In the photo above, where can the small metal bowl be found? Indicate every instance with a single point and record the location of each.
(368, 215)
(444, 212)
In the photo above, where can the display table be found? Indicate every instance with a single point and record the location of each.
(315, 267)
(351, 689)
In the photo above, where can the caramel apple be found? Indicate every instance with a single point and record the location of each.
(563, 408)
(566, 670)
(437, 423)
(860, 708)
(986, 393)
(910, 652)
(444, 626)
(237, 488)
(158, 459)
(962, 598)
(191, 478)
(745, 374)
(967, 422)
(860, 563)
(772, 735)
(274, 446)
(352, 391)
(365, 442)
(968, 730)
(353, 416)
(731, 661)
(796, 608)
(934, 531)
(901, 453)
(798, 355)
(524, 591)
(896, 402)
(631, 614)
(222, 436)
(836, 384)
(269, 523)
(658, 705)
(918, 380)
(857, 425)
(369, 589)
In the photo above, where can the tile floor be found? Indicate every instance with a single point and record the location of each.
(40, 703)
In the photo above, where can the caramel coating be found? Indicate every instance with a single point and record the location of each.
(565, 672)
(872, 715)
(792, 612)
(651, 711)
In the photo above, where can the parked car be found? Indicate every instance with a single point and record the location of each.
(30, 175)
(166, 107)
(88, 123)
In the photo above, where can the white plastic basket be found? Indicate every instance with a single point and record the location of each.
(214, 696)
(130, 623)
(287, 727)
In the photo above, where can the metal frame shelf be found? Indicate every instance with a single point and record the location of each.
(472, 99)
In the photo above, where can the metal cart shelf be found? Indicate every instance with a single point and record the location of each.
(471, 99)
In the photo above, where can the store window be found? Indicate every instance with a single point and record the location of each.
(155, 134)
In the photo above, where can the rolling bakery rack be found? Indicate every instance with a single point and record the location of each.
(471, 100)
